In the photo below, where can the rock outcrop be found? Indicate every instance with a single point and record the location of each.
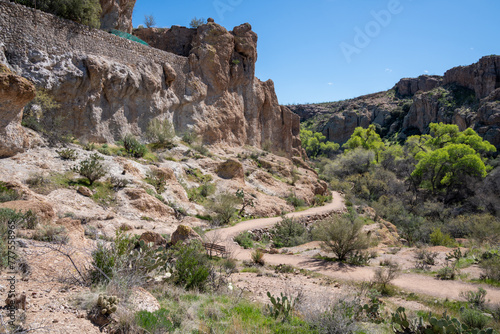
(15, 93)
(107, 86)
(184, 234)
(468, 96)
(117, 14)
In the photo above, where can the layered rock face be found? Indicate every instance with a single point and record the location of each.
(15, 93)
(468, 96)
(117, 14)
(108, 86)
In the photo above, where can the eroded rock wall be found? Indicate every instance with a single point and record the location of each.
(108, 86)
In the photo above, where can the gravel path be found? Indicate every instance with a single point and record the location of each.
(421, 284)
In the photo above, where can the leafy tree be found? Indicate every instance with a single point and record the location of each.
(315, 144)
(149, 21)
(447, 156)
(367, 139)
(86, 12)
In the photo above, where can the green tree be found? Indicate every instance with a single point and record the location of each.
(315, 144)
(447, 156)
(367, 139)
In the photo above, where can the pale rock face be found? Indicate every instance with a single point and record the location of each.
(117, 14)
(212, 91)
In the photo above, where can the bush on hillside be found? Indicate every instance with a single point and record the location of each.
(82, 11)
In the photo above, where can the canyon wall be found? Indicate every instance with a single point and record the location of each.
(108, 87)
(468, 96)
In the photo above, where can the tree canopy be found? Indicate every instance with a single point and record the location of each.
(315, 144)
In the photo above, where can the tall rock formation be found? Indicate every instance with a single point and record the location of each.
(117, 14)
(108, 86)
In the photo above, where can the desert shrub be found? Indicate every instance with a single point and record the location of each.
(491, 268)
(224, 209)
(160, 132)
(448, 272)
(357, 161)
(156, 322)
(339, 318)
(157, 179)
(342, 235)
(320, 200)
(484, 228)
(195, 22)
(27, 220)
(384, 275)
(189, 137)
(244, 239)
(476, 299)
(133, 147)
(68, 154)
(258, 257)
(474, 318)
(295, 201)
(424, 258)
(118, 182)
(52, 234)
(289, 233)
(7, 194)
(438, 238)
(92, 168)
(192, 266)
(199, 194)
(82, 11)
(201, 148)
(9, 221)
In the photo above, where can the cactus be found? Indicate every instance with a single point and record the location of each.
(107, 304)
(443, 325)
(281, 306)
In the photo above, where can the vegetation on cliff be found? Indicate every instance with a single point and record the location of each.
(82, 11)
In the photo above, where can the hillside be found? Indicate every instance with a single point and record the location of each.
(467, 96)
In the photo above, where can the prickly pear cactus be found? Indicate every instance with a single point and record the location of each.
(107, 304)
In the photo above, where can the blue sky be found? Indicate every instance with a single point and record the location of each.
(329, 50)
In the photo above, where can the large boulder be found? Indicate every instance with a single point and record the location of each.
(15, 93)
(231, 169)
(184, 234)
(152, 237)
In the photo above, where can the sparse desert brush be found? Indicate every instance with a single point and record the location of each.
(92, 168)
(258, 257)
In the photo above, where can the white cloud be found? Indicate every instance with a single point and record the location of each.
(426, 71)
(472, 49)
(388, 70)
(330, 83)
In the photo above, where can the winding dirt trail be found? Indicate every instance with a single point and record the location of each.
(420, 284)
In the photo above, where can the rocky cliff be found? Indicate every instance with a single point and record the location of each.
(468, 96)
(107, 86)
